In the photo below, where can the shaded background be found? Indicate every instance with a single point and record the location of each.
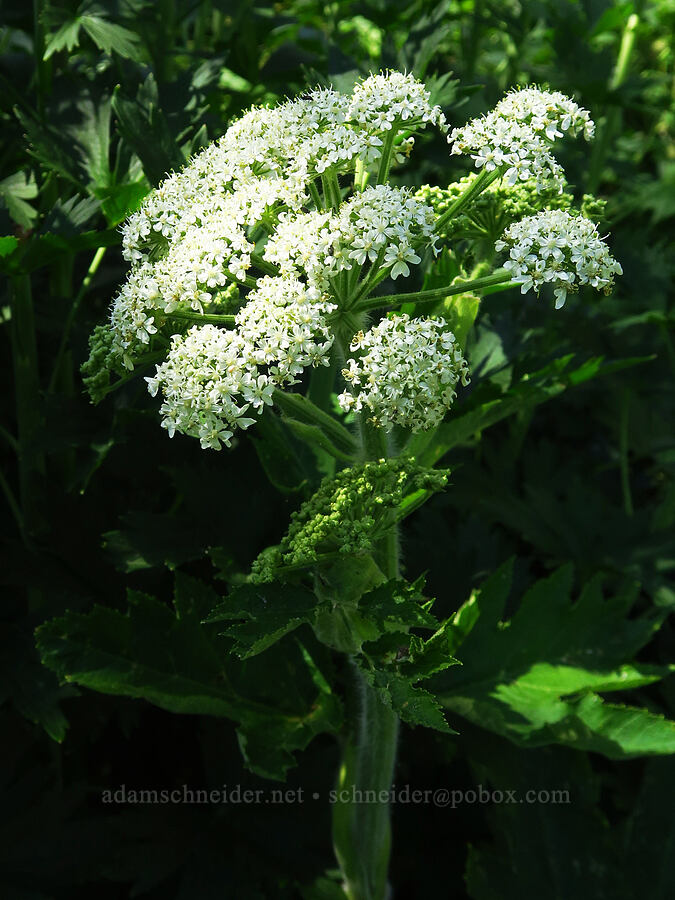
(95, 103)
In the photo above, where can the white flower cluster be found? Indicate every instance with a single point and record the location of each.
(382, 224)
(406, 374)
(194, 233)
(271, 154)
(251, 201)
(517, 134)
(382, 99)
(547, 112)
(212, 377)
(555, 247)
(284, 324)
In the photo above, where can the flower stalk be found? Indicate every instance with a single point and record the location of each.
(477, 187)
(500, 276)
(362, 814)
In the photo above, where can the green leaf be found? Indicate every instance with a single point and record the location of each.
(460, 313)
(339, 621)
(8, 244)
(616, 731)
(53, 147)
(119, 200)
(533, 679)
(285, 461)
(67, 217)
(15, 190)
(145, 128)
(33, 690)
(43, 249)
(393, 661)
(427, 657)
(148, 540)
(66, 38)
(550, 838)
(93, 135)
(266, 612)
(414, 705)
(180, 665)
(110, 37)
(397, 605)
(649, 835)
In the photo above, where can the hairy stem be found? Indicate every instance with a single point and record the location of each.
(361, 814)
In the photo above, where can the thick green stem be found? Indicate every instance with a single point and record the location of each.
(315, 195)
(267, 267)
(361, 813)
(500, 276)
(331, 189)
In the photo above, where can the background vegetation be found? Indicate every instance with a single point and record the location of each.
(97, 102)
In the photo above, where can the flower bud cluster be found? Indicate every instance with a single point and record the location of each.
(555, 247)
(213, 379)
(348, 513)
(406, 374)
(382, 224)
(103, 360)
(516, 135)
(495, 208)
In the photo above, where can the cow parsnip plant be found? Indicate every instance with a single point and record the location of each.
(256, 289)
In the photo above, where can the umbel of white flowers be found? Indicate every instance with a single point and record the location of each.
(557, 248)
(407, 373)
(251, 203)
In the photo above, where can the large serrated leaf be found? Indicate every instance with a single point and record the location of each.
(265, 613)
(535, 678)
(180, 665)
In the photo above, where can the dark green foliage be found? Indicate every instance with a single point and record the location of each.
(168, 658)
